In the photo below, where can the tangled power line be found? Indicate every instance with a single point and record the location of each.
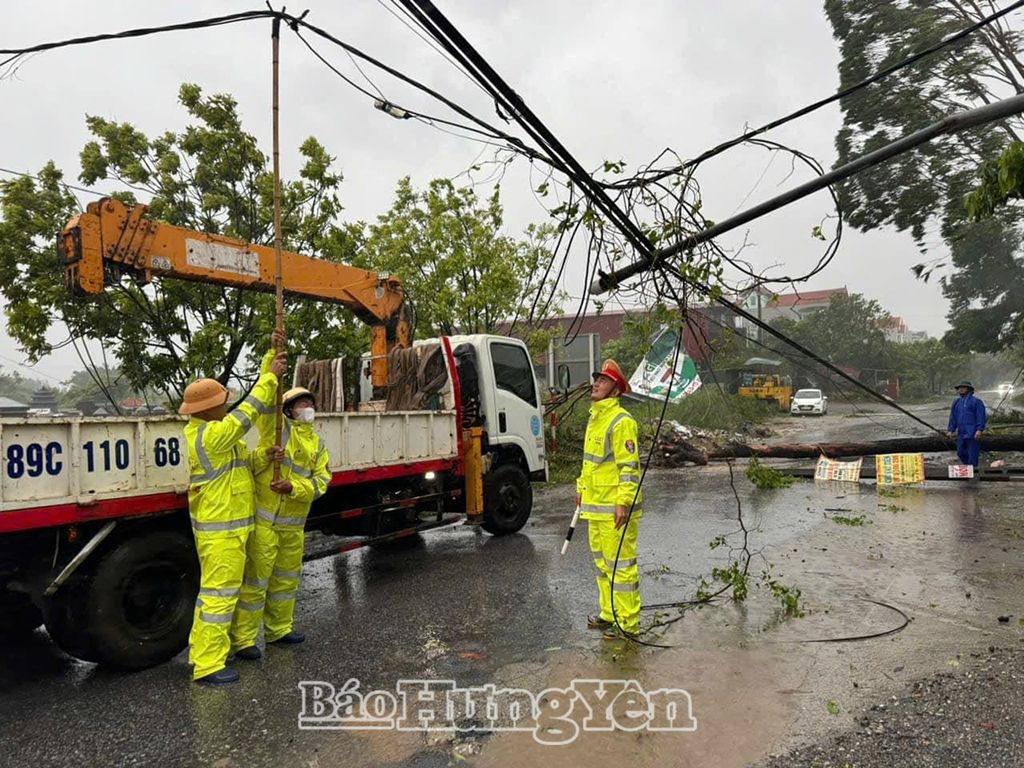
(643, 235)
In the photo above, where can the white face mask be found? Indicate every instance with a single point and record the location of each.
(304, 415)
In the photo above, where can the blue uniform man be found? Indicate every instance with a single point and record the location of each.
(966, 423)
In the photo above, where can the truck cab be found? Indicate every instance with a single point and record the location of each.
(510, 409)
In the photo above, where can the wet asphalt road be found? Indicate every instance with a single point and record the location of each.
(458, 604)
(461, 605)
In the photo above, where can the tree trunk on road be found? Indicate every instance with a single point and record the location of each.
(673, 451)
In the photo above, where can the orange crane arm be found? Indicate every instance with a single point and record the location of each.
(113, 239)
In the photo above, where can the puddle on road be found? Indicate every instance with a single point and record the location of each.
(946, 556)
(735, 701)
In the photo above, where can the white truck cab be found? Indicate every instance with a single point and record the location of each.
(510, 404)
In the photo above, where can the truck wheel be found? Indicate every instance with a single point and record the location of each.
(508, 500)
(141, 600)
(63, 614)
(21, 615)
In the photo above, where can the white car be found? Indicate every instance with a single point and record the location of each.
(809, 402)
(1005, 389)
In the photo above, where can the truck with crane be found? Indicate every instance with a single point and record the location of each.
(95, 540)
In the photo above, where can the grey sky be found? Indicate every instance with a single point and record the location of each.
(612, 79)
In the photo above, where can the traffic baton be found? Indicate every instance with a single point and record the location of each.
(572, 527)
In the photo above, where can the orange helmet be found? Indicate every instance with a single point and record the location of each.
(610, 369)
(202, 395)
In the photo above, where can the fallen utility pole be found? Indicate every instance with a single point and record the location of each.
(673, 449)
(961, 121)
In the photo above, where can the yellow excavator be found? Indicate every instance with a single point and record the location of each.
(760, 380)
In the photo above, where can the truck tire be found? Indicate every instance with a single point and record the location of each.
(508, 499)
(132, 608)
(141, 600)
(20, 614)
(63, 614)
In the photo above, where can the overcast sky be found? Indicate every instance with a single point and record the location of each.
(611, 79)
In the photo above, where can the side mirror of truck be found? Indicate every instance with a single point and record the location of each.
(564, 378)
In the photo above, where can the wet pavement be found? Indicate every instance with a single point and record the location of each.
(460, 605)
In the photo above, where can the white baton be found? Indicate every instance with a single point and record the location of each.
(572, 527)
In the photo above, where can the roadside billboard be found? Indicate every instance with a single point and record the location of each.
(654, 376)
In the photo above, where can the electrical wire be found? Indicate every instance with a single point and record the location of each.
(215, 21)
(814, 106)
(62, 183)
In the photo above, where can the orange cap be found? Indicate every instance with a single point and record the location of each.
(202, 395)
(611, 369)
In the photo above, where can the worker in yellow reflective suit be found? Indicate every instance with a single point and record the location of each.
(606, 490)
(221, 504)
(274, 553)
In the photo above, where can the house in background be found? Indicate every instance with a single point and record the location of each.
(44, 400)
(895, 329)
(10, 407)
(578, 343)
(797, 305)
(769, 307)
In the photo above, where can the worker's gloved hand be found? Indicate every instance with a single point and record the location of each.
(275, 453)
(950, 434)
(282, 486)
(280, 365)
(278, 339)
(977, 435)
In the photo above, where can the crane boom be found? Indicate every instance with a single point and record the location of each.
(111, 239)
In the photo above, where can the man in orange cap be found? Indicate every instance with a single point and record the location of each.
(608, 494)
(221, 505)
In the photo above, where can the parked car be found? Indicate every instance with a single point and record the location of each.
(809, 402)
(1006, 389)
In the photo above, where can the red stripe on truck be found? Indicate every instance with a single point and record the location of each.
(66, 514)
(352, 476)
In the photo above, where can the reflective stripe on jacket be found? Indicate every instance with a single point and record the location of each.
(220, 493)
(611, 462)
(305, 465)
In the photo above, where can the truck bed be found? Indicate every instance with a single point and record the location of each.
(57, 471)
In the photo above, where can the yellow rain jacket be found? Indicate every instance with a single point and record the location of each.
(611, 462)
(273, 565)
(221, 505)
(611, 478)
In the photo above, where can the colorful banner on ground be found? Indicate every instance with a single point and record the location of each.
(844, 471)
(654, 376)
(899, 468)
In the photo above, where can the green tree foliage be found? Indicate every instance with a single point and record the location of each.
(210, 177)
(16, 387)
(849, 331)
(924, 188)
(986, 288)
(463, 273)
(929, 367)
(929, 183)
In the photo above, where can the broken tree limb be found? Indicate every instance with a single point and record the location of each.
(674, 450)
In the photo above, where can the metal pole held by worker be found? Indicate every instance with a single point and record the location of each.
(279, 281)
